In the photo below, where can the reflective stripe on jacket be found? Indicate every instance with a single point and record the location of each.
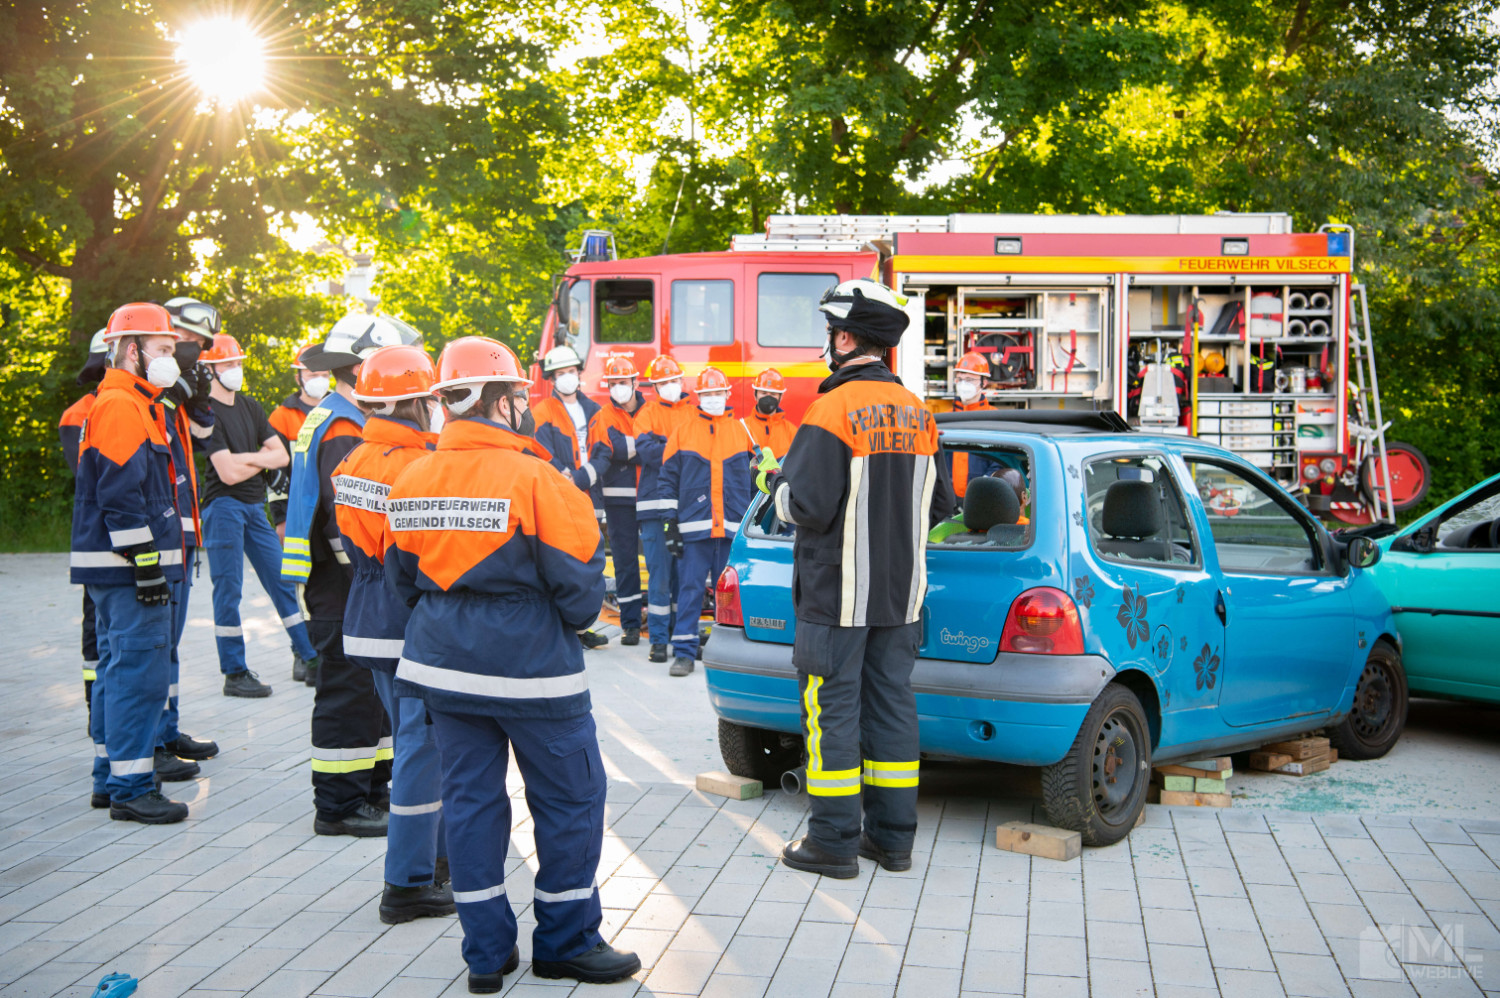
(302, 497)
(654, 423)
(706, 477)
(504, 562)
(612, 453)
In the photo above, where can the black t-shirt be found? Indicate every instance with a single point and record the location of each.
(240, 429)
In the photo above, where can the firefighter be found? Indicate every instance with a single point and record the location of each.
(612, 455)
(970, 377)
(562, 427)
(242, 447)
(351, 744)
(769, 426)
(286, 419)
(706, 486)
(495, 550)
(394, 390)
(654, 424)
(863, 485)
(127, 549)
(70, 434)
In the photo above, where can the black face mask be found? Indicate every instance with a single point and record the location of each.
(767, 404)
(186, 354)
(837, 360)
(527, 423)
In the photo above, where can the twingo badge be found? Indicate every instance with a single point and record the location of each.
(768, 623)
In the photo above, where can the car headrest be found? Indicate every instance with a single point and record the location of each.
(989, 501)
(1131, 509)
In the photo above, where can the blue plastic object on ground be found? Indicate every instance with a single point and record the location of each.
(115, 986)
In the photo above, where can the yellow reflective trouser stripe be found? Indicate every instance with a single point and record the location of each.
(385, 755)
(833, 782)
(891, 774)
(342, 765)
(89, 675)
(823, 782)
(348, 760)
(296, 545)
(295, 567)
(814, 731)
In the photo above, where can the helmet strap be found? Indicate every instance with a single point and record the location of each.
(384, 409)
(462, 406)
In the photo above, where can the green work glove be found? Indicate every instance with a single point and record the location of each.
(765, 478)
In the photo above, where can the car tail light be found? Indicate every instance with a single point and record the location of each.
(1043, 622)
(727, 599)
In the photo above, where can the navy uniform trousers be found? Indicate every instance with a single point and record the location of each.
(126, 712)
(564, 774)
(702, 563)
(625, 555)
(414, 838)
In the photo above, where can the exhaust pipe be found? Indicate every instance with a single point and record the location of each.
(794, 780)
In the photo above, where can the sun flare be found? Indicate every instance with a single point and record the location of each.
(224, 59)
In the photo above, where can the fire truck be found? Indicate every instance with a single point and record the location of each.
(1230, 327)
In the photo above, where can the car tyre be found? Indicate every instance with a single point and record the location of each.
(755, 753)
(1114, 741)
(1378, 716)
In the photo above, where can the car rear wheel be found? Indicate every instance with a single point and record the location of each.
(1099, 787)
(756, 753)
(1378, 716)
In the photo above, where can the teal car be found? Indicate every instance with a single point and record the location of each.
(1441, 575)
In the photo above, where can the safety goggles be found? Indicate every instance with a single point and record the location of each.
(198, 314)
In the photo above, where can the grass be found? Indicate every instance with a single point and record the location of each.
(37, 532)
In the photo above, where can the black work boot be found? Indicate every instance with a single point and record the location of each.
(681, 666)
(601, 965)
(151, 808)
(99, 800)
(809, 857)
(403, 904)
(299, 668)
(591, 640)
(188, 747)
(172, 769)
(896, 861)
(632, 636)
(245, 684)
(440, 874)
(365, 822)
(488, 984)
(658, 653)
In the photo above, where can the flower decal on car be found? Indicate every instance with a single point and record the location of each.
(1163, 644)
(1132, 617)
(1206, 668)
(1078, 518)
(1083, 591)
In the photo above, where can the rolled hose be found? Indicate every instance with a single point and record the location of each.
(1317, 327)
(793, 781)
(1296, 327)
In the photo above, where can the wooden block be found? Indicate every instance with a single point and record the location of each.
(1333, 756)
(1184, 783)
(1153, 796)
(733, 787)
(1305, 767)
(1300, 748)
(1204, 785)
(1140, 819)
(1218, 765)
(1038, 840)
(1268, 762)
(1195, 799)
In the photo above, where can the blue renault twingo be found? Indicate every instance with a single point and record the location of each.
(1144, 598)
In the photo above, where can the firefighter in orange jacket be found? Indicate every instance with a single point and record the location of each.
(768, 425)
(499, 556)
(394, 390)
(863, 485)
(70, 434)
(707, 484)
(614, 461)
(970, 376)
(654, 423)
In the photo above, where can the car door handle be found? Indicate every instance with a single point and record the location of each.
(1221, 609)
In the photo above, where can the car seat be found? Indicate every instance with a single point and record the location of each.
(1132, 522)
(988, 503)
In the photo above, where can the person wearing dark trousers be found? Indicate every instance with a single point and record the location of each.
(612, 455)
(494, 550)
(863, 486)
(654, 424)
(70, 435)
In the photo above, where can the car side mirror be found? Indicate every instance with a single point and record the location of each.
(1363, 552)
(563, 303)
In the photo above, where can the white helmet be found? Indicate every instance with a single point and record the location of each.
(193, 316)
(97, 344)
(867, 308)
(560, 357)
(355, 337)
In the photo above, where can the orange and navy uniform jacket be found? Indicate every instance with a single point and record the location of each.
(774, 431)
(286, 419)
(654, 423)
(501, 559)
(125, 492)
(963, 467)
(706, 478)
(612, 453)
(555, 431)
(181, 437)
(70, 428)
(375, 617)
(862, 482)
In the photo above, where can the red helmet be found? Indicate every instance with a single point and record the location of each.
(770, 380)
(224, 350)
(297, 364)
(618, 367)
(712, 380)
(472, 360)
(393, 373)
(974, 363)
(663, 368)
(140, 319)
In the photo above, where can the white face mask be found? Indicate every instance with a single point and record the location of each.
(712, 404)
(233, 379)
(567, 384)
(316, 387)
(967, 390)
(670, 391)
(163, 371)
(621, 391)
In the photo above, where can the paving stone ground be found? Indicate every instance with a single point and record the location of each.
(242, 899)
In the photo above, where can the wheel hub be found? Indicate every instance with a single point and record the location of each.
(1374, 703)
(1116, 764)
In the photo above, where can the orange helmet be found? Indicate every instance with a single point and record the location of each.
(618, 367)
(770, 380)
(712, 380)
(393, 373)
(224, 350)
(297, 364)
(974, 363)
(140, 319)
(663, 368)
(472, 360)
